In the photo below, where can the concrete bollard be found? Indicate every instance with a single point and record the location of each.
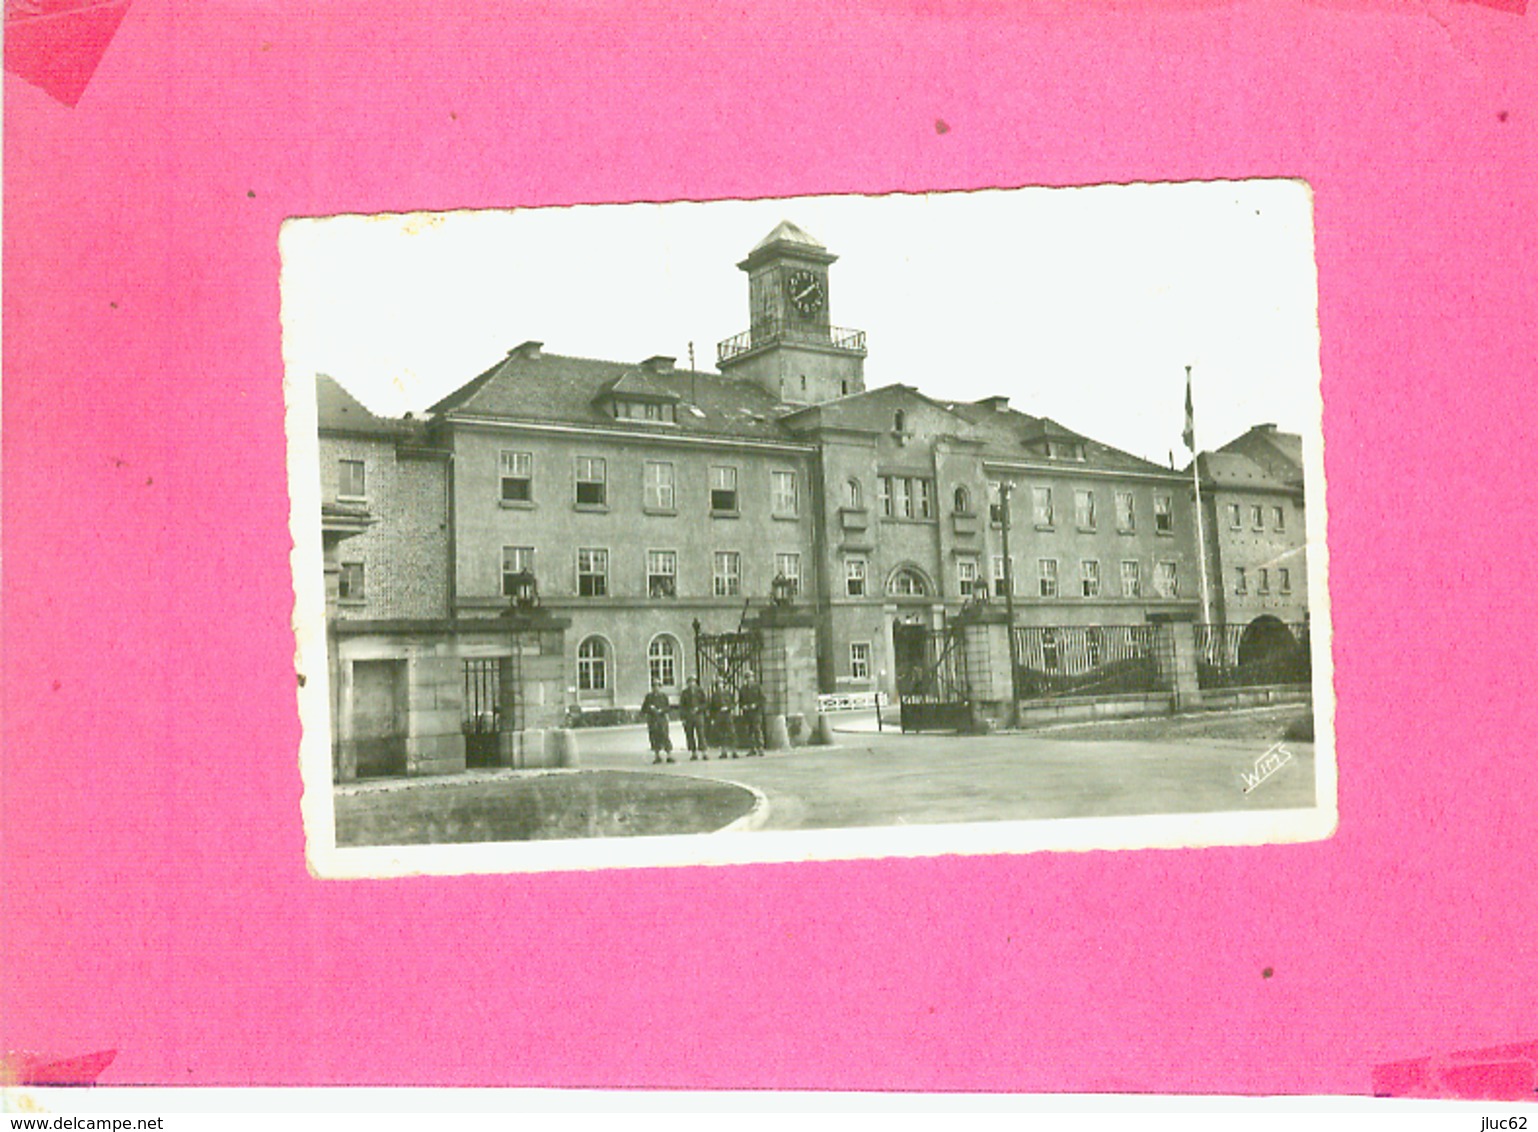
(777, 736)
(822, 731)
(561, 747)
(795, 726)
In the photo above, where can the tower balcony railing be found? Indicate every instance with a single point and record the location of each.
(769, 331)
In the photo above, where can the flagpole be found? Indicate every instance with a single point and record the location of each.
(1196, 476)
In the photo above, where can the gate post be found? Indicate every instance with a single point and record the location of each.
(788, 655)
(532, 696)
(986, 659)
(1177, 663)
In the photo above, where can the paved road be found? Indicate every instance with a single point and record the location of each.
(891, 778)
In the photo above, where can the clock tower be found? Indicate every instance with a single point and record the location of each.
(790, 347)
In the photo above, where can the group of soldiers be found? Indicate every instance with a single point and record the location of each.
(715, 719)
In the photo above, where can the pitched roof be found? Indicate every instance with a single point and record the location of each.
(1007, 431)
(566, 390)
(789, 233)
(1234, 470)
(339, 411)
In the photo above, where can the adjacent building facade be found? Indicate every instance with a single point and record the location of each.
(646, 500)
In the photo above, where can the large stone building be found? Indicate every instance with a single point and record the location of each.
(646, 499)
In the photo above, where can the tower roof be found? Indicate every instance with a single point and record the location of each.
(789, 233)
(789, 239)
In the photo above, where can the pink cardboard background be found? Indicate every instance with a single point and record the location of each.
(153, 893)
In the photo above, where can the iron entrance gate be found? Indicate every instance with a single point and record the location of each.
(723, 660)
(482, 716)
(932, 689)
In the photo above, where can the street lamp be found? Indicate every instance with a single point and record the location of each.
(782, 590)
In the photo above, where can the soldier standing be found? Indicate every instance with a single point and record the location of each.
(655, 708)
(750, 710)
(721, 711)
(692, 705)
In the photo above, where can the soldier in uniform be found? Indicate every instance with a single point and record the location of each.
(750, 714)
(655, 708)
(692, 706)
(721, 711)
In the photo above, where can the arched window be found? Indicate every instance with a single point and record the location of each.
(662, 661)
(899, 420)
(906, 582)
(852, 494)
(963, 500)
(593, 665)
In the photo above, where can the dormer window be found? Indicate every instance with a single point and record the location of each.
(1065, 450)
(660, 412)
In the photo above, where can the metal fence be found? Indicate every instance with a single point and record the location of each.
(1098, 660)
(1266, 651)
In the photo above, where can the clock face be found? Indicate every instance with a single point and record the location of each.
(805, 290)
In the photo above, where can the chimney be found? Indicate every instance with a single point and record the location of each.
(529, 350)
(1269, 426)
(659, 363)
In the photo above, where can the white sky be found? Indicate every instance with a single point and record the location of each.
(1084, 305)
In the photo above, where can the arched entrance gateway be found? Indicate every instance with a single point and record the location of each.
(1269, 653)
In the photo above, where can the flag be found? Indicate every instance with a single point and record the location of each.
(1189, 435)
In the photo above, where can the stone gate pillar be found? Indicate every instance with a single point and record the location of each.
(984, 642)
(788, 654)
(533, 682)
(1177, 663)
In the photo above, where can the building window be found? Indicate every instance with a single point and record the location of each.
(1265, 581)
(1046, 576)
(726, 578)
(788, 566)
(349, 583)
(1167, 580)
(996, 503)
(658, 486)
(854, 498)
(1084, 509)
(593, 665)
(1089, 577)
(662, 573)
(1278, 519)
(592, 572)
(662, 661)
(859, 660)
(515, 560)
(353, 484)
(854, 577)
(592, 481)
(1164, 514)
(1001, 580)
(645, 411)
(1065, 450)
(1131, 579)
(1041, 506)
(906, 497)
(723, 490)
(1257, 517)
(1241, 580)
(1126, 512)
(1284, 579)
(784, 495)
(517, 474)
(961, 501)
(1235, 516)
(966, 576)
(899, 421)
(906, 583)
